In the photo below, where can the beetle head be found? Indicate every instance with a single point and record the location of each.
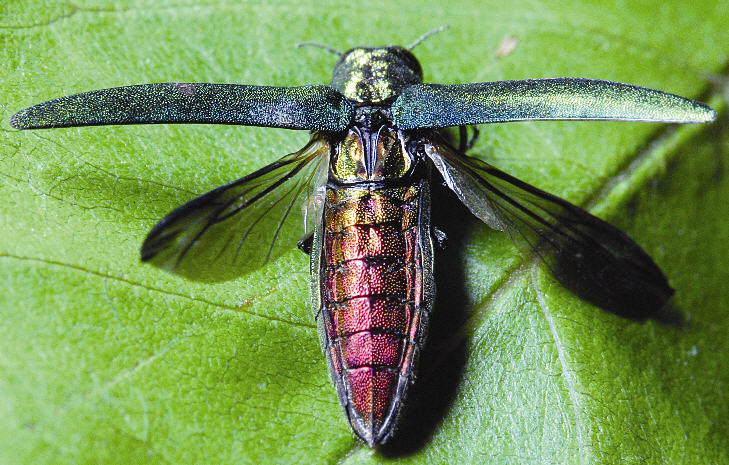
(375, 74)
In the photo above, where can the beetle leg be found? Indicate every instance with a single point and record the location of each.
(473, 139)
(465, 144)
(462, 139)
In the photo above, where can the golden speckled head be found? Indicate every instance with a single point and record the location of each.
(376, 74)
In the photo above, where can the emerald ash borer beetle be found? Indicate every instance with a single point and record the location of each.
(364, 178)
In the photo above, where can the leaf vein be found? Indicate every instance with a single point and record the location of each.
(566, 371)
(238, 309)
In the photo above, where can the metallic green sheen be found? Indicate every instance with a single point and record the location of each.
(317, 108)
(436, 105)
(375, 74)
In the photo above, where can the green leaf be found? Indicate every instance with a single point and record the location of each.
(106, 360)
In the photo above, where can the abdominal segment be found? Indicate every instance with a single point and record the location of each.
(372, 298)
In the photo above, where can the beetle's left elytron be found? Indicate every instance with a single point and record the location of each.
(366, 171)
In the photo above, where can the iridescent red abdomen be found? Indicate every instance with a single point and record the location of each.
(372, 298)
(372, 262)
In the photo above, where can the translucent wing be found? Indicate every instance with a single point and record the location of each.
(437, 105)
(587, 255)
(317, 108)
(238, 226)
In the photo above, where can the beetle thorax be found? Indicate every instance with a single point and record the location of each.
(372, 150)
(373, 75)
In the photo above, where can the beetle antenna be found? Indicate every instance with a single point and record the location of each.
(422, 38)
(325, 47)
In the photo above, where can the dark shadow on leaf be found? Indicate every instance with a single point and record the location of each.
(610, 286)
